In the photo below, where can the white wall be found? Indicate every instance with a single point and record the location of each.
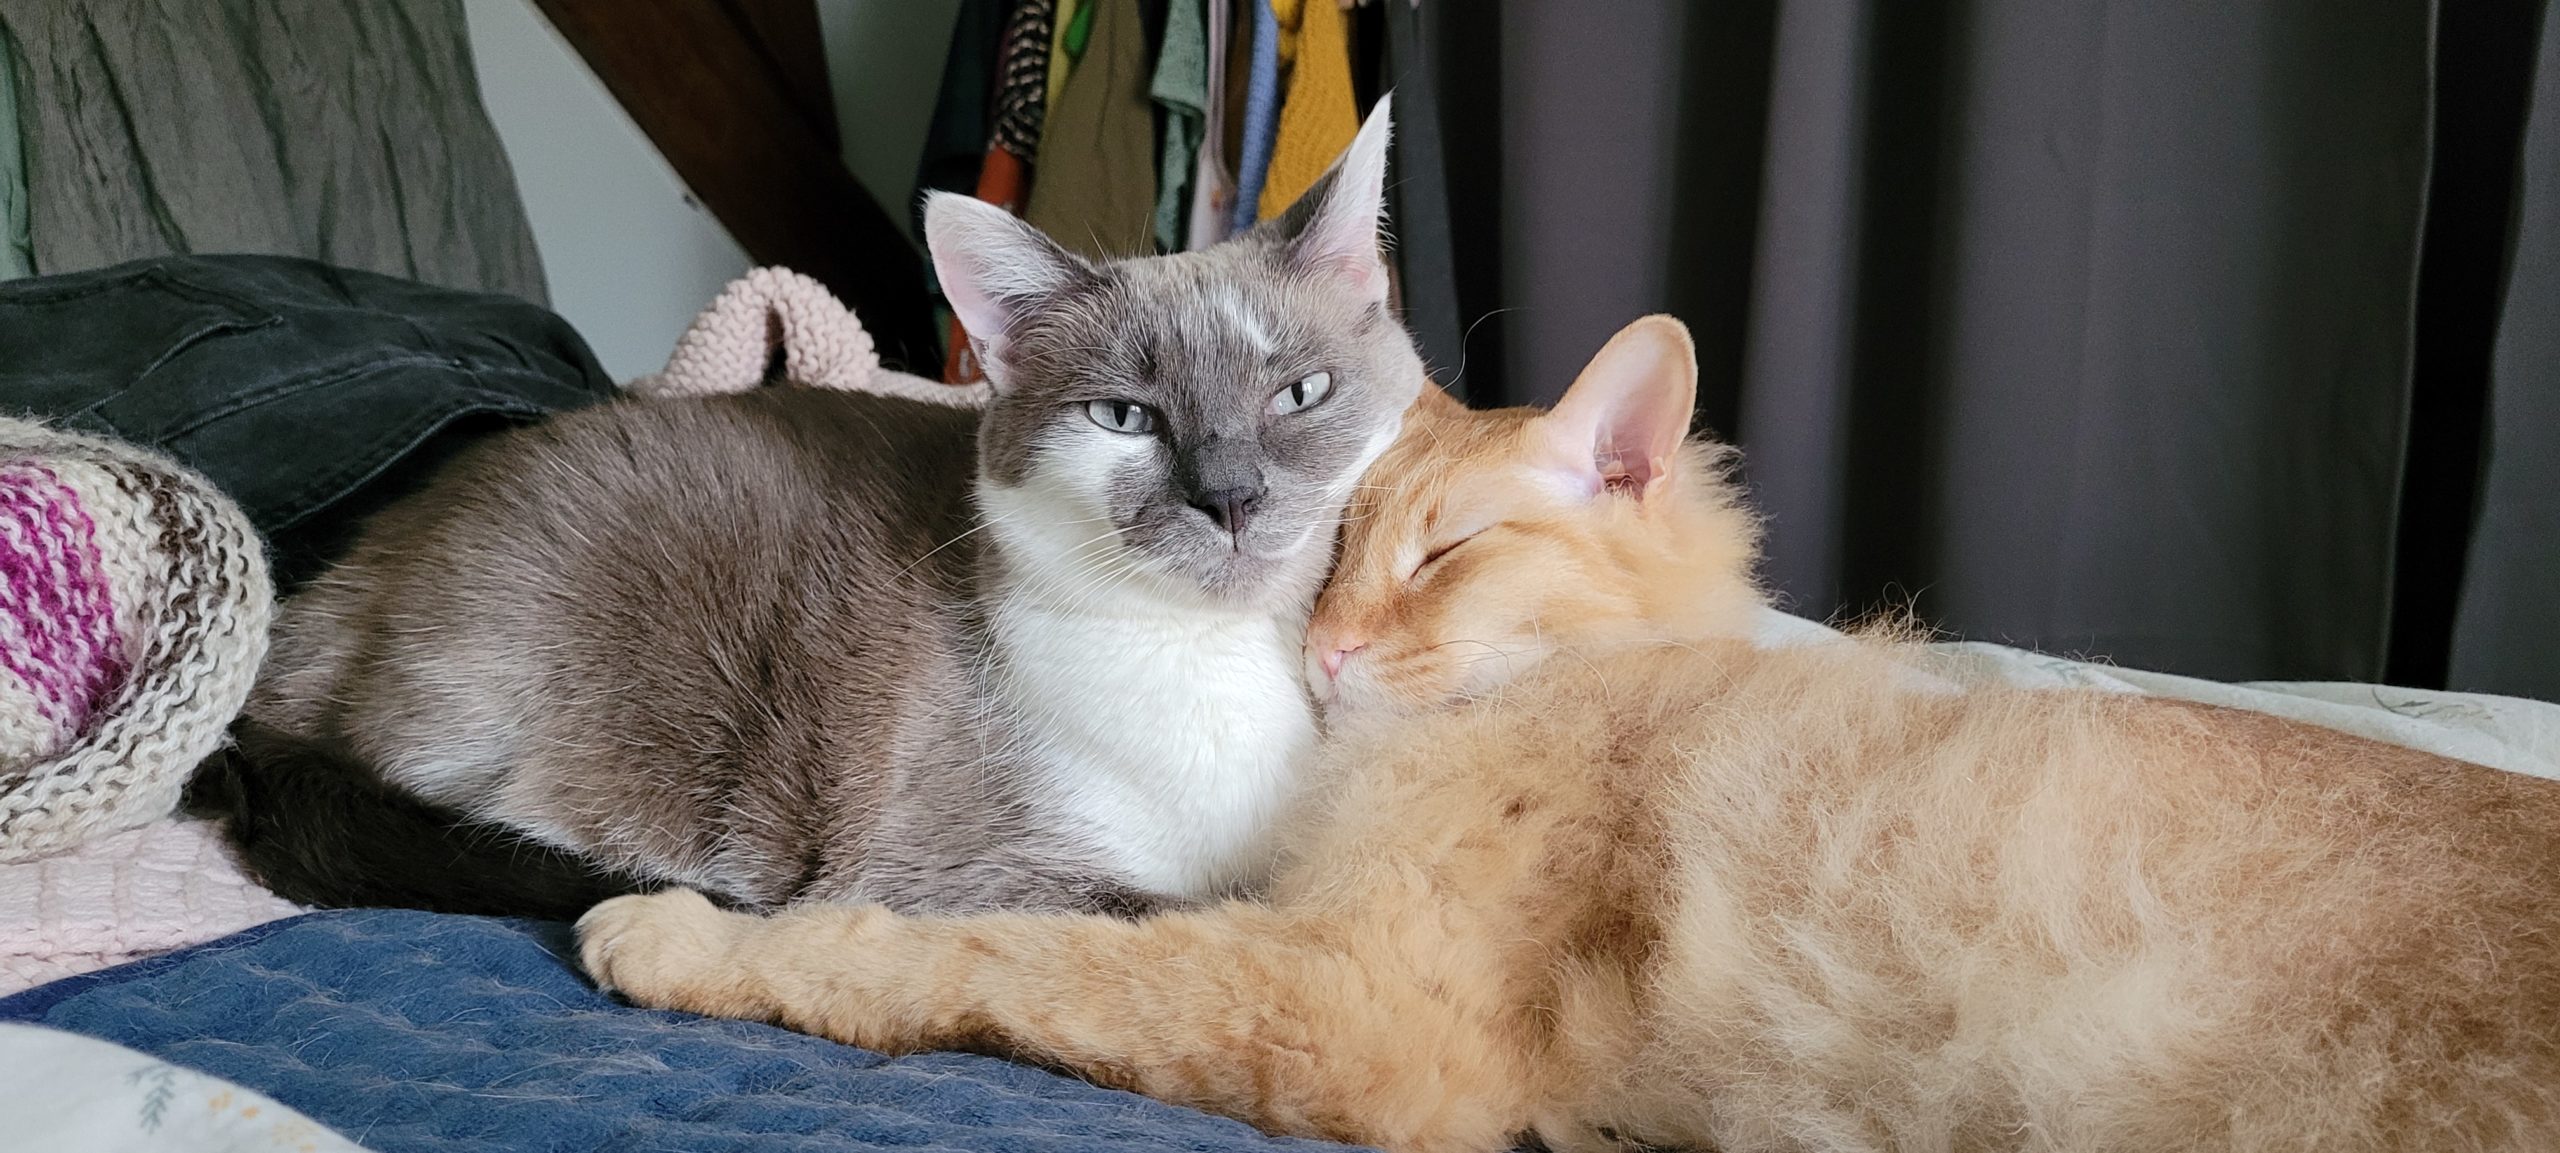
(629, 256)
(884, 67)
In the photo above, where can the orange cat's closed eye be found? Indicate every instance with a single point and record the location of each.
(1433, 557)
(1596, 522)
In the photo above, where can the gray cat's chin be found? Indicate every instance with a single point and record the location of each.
(1255, 582)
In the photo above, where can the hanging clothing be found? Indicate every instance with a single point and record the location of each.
(1319, 116)
(1096, 191)
(1062, 63)
(1022, 96)
(1261, 115)
(1236, 72)
(1213, 182)
(1004, 181)
(1004, 175)
(1078, 30)
(955, 142)
(1181, 88)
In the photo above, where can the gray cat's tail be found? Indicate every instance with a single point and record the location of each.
(320, 828)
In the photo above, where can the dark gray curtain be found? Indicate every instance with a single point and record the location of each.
(2505, 639)
(349, 131)
(2161, 331)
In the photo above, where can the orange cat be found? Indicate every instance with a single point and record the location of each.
(1588, 868)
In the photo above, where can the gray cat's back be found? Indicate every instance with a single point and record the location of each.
(721, 643)
(648, 603)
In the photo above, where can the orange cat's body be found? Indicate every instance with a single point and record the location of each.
(1585, 865)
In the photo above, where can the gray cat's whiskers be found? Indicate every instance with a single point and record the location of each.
(984, 523)
(1047, 354)
(1460, 377)
(936, 550)
(1075, 566)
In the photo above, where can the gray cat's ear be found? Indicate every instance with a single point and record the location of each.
(1333, 228)
(994, 270)
(1620, 426)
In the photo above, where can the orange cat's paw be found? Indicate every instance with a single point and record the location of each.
(670, 950)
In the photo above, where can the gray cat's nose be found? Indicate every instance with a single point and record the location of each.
(1229, 508)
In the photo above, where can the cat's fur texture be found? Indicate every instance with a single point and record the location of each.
(1588, 867)
(805, 645)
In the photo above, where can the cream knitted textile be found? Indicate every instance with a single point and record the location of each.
(731, 346)
(133, 613)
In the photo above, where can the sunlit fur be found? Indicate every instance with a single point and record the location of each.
(1667, 888)
(1541, 568)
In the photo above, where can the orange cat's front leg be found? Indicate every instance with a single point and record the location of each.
(1294, 1025)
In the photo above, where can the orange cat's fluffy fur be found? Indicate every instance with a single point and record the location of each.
(1587, 866)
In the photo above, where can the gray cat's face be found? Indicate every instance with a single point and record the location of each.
(1189, 424)
(1209, 410)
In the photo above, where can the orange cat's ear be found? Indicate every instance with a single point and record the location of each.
(1622, 422)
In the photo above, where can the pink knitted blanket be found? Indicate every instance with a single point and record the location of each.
(775, 313)
(124, 896)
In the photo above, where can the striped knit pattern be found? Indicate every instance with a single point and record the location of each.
(1022, 91)
(134, 601)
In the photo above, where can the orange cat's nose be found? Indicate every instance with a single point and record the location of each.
(1327, 648)
(1340, 652)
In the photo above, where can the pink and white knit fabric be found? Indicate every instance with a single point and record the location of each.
(133, 613)
(125, 895)
(731, 346)
(59, 646)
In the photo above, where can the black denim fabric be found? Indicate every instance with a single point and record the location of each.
(312, 394)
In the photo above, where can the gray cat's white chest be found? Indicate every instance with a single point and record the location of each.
(1176, 739)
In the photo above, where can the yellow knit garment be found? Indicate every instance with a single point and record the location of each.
(1320, 115)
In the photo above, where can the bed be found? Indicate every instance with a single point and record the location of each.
(413, 1031)
(409, 1031)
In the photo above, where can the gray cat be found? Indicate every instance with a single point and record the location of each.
(799, 645)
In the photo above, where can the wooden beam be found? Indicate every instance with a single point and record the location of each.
(698, 79)
(788, 34)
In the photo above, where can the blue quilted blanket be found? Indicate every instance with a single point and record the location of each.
(441, 1034)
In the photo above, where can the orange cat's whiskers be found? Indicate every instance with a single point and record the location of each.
(1680, 891)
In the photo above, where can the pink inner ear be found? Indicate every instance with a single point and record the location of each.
(1571, 478)
(1625, 416)
(1589, 460)
(1624, 468)
(1621, 424)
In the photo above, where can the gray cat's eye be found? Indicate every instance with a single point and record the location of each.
(1303, 395)
(1121, 416)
